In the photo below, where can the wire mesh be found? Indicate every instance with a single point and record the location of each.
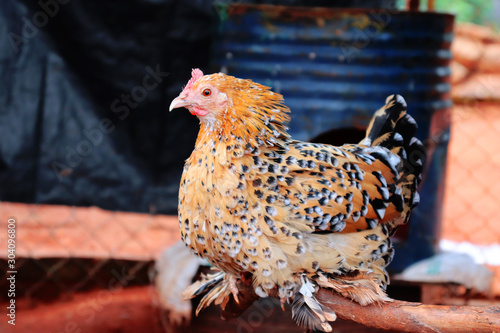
(473, 175)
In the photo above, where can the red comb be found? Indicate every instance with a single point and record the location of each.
(196, 73)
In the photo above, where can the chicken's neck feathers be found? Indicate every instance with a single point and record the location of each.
(254, 116)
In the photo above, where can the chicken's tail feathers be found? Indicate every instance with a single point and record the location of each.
(392, 128)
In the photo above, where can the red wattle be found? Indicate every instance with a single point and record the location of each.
(199, 112)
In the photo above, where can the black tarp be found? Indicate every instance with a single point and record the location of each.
(84, 92)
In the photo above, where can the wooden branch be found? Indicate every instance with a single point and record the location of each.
(397, 315)
(414, 317)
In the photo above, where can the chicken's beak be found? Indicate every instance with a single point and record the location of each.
(179, 102)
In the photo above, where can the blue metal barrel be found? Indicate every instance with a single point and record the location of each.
(335, 67)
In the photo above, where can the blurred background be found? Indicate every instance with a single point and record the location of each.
(90, 159)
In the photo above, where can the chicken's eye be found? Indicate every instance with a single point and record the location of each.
(207, 92)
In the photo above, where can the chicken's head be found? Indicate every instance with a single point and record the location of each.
(234, 107)
(202, 96)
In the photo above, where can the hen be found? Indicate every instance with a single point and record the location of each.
(293, 216)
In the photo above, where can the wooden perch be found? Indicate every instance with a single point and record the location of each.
(397, 315)
(414, 317)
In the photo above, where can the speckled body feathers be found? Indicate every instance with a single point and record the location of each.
(296, 216)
